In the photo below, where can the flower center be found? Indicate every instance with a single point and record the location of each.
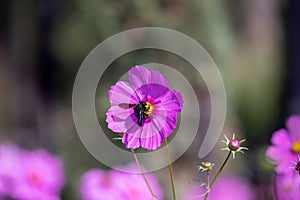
(142, 110)
(234, 144)
(148, 108)
(34, 178)
(296, 147)
(297, 167)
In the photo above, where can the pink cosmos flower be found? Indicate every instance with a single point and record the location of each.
(285, 145)
(97, 184)
(40, 177)
(227, 187)
(29, 175)
(144, 110)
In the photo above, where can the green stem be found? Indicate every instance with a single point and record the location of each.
(217, 175)
(275, 187)
(170, 169)
(208, 180)
(143, 175)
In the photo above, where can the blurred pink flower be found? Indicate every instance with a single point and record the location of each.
(41, 176)
(97, 184)
(285, 145)
(288, 186)
(30, 175)
(227, 187)
(133, 186)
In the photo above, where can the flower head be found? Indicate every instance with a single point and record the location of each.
(285, 145)
(233, 145)
(97, 184)
(29, 175)
(206, 166)
(40, 177)
(144, 110)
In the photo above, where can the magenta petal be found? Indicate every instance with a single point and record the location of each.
(282, 158)
(151, 137)
(172, 101)
(164, 121)
(288, 186)
(179, 97)
(293, 126)
(122, 93)
(120, 119)
(111, 123)
(282, 139)
(170, 126)
(276, 154)
(140, 76)
(131, 137)
(157, 78)
(152, 92)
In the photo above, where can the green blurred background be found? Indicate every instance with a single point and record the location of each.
(254, 44)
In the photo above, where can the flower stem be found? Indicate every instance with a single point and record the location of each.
(275, 187)
(170, 169)
(208, 180)
(218, 173)
(143, 174)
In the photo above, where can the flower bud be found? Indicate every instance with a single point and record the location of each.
(234, 145)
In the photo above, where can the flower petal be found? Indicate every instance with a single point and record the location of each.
(179, 97)
(288, 186)
(111, 123)
(131, 137)
(120, 119)
(140, 76)
(151, 138)
(152, 92)
(122, 93)
(164, 121)
(172, 101)
(293, 126)
(281, 138)
(281, 157)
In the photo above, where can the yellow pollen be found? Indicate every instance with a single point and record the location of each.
(148, 108)
(296, 147)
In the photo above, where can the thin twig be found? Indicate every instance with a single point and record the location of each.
(275, 187)
(218, 173)
(170, 169)
(143, 175)
(208, 181)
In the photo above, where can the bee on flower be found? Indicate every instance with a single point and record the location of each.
(144, 110)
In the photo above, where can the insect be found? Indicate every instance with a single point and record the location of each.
(142, 111)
